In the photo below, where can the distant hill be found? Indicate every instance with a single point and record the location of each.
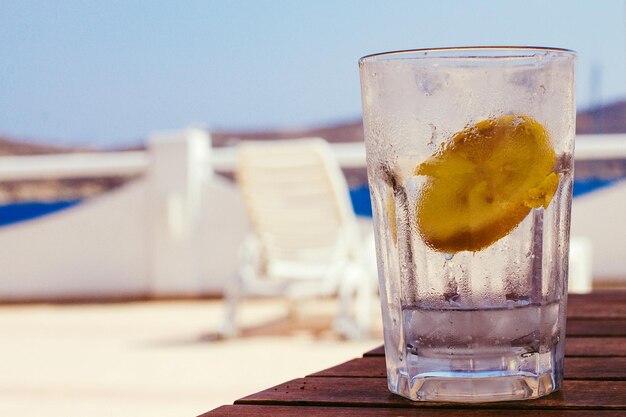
(608, 118)
(340, 132)
(20, 147)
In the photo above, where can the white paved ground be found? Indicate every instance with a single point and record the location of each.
(156, 358)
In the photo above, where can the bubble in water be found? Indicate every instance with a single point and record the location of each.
(448, 256)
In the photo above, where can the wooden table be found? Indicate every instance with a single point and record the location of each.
(595, 379)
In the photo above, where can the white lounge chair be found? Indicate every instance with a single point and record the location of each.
(304, 240)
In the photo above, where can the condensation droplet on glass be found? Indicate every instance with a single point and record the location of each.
(433, 135)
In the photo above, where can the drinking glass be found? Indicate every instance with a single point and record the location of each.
(470, 167)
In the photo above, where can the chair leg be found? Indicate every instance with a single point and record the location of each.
(365, 291)
(293, 310)
(232, 297)
(345, 323)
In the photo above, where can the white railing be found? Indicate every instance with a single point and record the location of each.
(102, 164)
(601, 147)
(72, 165)
(349, 155)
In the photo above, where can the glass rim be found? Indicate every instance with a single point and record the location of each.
(421, 53)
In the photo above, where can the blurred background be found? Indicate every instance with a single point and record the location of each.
(121, 222)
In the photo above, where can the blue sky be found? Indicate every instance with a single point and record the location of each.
(108, 73)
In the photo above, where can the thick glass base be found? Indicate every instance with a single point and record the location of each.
(479, 379)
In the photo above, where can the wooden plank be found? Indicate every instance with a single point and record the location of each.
(582, 328)
(301, 411)
(377, 351)
(595, 346)
(596, 308)
(603, 295)
(366, 367)
(574, 346)
(597, 328)
(606, 369)
(373, 392)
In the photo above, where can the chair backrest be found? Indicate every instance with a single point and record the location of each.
(297, 199)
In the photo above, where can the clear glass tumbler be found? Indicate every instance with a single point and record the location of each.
(470, 166)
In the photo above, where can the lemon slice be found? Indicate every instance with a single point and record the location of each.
(484, 182)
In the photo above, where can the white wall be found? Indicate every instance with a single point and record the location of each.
(97, 247)
(600, 216)
(175, 231)
(103, 248)
(223, 229)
